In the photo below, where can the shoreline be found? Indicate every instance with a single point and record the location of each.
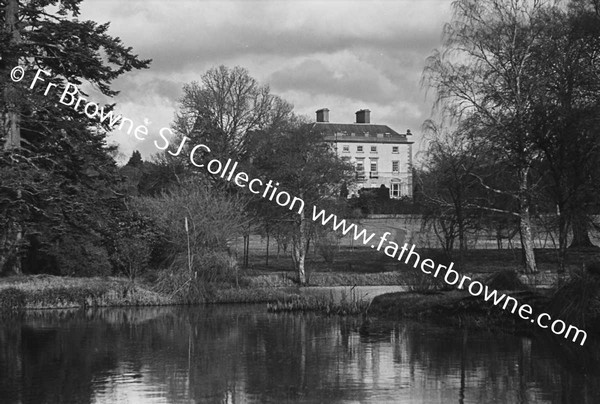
(456, 308)
(37, 292)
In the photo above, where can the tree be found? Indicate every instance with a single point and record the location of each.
(306, 167)
(58, 177)
(568, 106)
(487, 72)
(135, 160)
(225, 107)
(449, 186)
(196, 224)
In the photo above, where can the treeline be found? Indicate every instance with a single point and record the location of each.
(66, 208)
(518, 96)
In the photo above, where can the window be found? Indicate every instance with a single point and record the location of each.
(395, 149)
(373, 149)
(395, 190)
(346, 148)
(359, 149)
(360, 170)
(374, 169)
(395, 166)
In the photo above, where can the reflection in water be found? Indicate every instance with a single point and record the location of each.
(239, 354)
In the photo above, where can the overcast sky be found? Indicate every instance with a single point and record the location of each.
(342, 55)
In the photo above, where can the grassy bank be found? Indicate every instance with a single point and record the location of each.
(252, 295)
(256, 279)
(46, 291)
(575, 302)
(54, 292)
(456, 308)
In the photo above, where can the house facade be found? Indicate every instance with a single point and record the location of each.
(380, 155)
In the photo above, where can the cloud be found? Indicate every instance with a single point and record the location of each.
(342, 75)
(344, 55)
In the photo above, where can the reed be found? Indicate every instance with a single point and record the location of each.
(348, 304)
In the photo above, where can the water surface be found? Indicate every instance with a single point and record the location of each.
(242, 354)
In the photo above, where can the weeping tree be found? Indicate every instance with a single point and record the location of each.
(528, 71)
(487, 71)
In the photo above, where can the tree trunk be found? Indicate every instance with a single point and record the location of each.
(268, 241)
(10, 260)
(299, 250)
(563, 232)
(527, 241)
(11, 116)
(580, 226)
(525, 224)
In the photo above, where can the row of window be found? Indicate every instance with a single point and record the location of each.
(360, 166)
(359, 149)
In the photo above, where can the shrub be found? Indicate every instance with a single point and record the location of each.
(181, 286)
(217, 266)
(208, 271)
(131, 256)
(505, 280)
(418, 281)
(577, 301)
(327, 247)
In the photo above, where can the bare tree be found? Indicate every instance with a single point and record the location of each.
(225, 107)
(307, 168)
(487, 71)
(449, 186)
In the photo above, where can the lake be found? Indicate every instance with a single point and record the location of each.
(242, 354)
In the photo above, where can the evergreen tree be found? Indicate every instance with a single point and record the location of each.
(135, 160)
(57, 188)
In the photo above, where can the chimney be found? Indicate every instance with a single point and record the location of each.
(323, 115)
(363, 116)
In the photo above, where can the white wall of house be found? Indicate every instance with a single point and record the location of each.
(380, 163)
(380, 155)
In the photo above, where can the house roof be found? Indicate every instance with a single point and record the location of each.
(359, 133)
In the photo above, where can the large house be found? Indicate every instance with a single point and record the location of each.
(380, 155)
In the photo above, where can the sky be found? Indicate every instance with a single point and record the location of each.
(335, 54)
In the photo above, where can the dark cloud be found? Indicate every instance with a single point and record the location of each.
(344, 55)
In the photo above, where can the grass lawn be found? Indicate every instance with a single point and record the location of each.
(363, 260)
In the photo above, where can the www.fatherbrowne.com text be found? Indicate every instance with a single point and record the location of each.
(71, 96)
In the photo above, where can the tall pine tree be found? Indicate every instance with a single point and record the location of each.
(58, 183)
